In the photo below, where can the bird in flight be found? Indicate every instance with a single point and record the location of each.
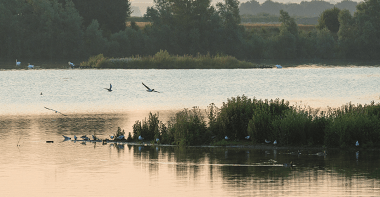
(55, 111)
(110, 89)
(150, 90)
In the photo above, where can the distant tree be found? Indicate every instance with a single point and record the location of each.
(288, 23)
(111, 15)
(329, 19)
(346, 35)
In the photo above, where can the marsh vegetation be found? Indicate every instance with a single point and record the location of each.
(271, 120)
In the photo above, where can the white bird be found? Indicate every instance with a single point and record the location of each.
(71, 64)
(275, 142)
(75, 137)
(247, 137)
(110, 89)
(357, 143)
(140, 138)
(278, 66)
(226, 138)
(120, 137)
(66, 138)
(267, 141)
(111, 137)
(18, 63)
(157, 140)
(149, 90)
(30, 66)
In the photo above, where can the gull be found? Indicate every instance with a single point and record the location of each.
(18, 63)
(267, 141)
(66, 138)
(278, 66)
(226, 138)
(275, 142)
(157, 140)
(150, 90)
(55, 111)
(71, 64)
(94, 137)
(357, 143)
(75, 137)
(120, 137)
(109, 90)
(30, 66)
(140, 138)
(247, 138)
(111, 137)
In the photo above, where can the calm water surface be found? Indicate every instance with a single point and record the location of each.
(69, 168)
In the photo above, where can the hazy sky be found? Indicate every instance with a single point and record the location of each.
(143, 4)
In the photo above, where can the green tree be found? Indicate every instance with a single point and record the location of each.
(111, 15)
(329, 19)
(94, 42)
(346, 38)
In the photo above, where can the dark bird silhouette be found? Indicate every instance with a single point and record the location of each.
(150, 90)
(55, 111)
(109, 89)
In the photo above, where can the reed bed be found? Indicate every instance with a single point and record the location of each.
(163, 60)
(271, 120)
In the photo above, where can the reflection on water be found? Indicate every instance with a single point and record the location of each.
(74, 168)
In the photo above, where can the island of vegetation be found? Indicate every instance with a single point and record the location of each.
(74, 30)
(264, 120)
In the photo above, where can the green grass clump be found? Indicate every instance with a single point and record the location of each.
(94, 62)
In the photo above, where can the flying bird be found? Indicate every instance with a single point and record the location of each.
(149, 90)
(55, 111)
(110, 89)
(267, 141)
(66, 138)
(120, 137)
(247, 137)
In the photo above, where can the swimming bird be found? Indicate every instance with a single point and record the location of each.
(84, 137)
(66, 138)
(267, 141)
(357, 143)
(71, 64)
(226, 138)
(247, 137)
(278, 66)
(112, 137)
(150, 90)
(75, 137)
(110, 89)
(18, 63)
(275, 142)
(55, 111)
(94, 137)
(30, 66)
(140, 138)
(120, 137)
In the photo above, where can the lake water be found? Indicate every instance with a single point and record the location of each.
(74, 168)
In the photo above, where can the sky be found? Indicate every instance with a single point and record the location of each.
(143, 4)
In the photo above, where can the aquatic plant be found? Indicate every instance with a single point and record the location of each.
(148, 129)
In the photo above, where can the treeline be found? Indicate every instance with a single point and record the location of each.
(51, 29)
(306, 8)
(262, 120)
